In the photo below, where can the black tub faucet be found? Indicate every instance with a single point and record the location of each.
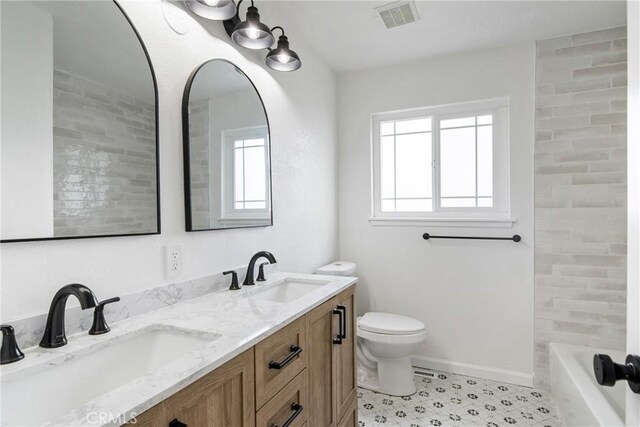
(54, 332)
(248, 280)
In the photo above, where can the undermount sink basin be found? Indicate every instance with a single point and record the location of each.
(289, 290)
(49, 391)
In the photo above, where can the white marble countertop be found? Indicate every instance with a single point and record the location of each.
(234, 319)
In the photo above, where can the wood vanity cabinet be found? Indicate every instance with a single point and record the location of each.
(224, 397)
(332, 372)
(302, 375)
(344, 363)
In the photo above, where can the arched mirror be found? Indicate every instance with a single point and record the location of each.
(79, 123)
(226, 150)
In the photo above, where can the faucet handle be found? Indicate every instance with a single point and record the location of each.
(234, 280)
(260, 277)
(10, 351)
(99, 325)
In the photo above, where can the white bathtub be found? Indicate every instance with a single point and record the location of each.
(579, 399)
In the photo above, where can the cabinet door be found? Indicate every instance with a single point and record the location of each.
(344, 356)
(322, 327)
(223, 398)
(152, 417)
(350, 419)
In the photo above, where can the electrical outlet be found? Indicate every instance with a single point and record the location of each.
(173, 255)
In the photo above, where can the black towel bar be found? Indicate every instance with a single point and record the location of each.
(516, 237)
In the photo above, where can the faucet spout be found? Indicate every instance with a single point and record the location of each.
(248, 280)
(54, 332)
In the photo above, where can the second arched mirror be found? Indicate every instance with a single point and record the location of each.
(226, 150)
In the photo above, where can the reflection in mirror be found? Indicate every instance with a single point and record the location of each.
(226, 143)
(79, 148)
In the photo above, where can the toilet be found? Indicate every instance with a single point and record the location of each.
(385, 342)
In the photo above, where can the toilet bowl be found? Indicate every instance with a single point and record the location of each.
(385, 342)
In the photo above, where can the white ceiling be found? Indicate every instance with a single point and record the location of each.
(351, 36)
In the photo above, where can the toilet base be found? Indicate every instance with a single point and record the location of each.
(393, 377)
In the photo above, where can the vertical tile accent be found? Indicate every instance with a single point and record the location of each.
(104, 159)
(199, 163)
(580, 193)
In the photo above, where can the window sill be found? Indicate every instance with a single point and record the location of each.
(443, 222)
(239, 221)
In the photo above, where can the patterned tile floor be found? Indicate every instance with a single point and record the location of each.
(446, 399)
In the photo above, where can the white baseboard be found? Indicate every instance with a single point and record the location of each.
(495, 374)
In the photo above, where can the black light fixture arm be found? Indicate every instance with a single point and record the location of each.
(230, 24)
(278, 27)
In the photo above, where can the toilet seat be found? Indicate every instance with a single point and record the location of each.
(390, 324)
(392, 338)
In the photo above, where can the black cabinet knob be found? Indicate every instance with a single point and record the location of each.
(176, 423)
(607, 372)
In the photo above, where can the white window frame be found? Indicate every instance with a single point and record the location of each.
(229, 213)
(498, 216)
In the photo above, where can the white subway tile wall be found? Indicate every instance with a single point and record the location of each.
(580, 193)
(104, 159)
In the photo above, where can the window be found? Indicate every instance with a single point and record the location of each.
(246, 180)
(446, 163)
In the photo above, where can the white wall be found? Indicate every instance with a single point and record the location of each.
(475, 297)
(302, 113)
(27, 105)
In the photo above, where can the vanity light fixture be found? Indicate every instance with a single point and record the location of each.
(282, 58)
(217, 10)
(251, 33)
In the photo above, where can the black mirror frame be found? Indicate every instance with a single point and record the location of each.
(155, 88)
(187, 151)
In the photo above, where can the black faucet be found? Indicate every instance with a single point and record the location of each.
(54, 332)
(10, 352)
(99, 325)
(248, 280)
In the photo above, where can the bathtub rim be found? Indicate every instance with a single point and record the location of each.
(589, 390)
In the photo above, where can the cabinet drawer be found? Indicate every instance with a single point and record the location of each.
(288, 406)
(279, 359)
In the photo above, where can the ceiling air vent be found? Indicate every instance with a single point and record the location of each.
(397, 13)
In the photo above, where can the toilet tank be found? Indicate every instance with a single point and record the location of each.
(338, 268)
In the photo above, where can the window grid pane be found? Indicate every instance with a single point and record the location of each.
(405, 165)
(466, 162)
(249, 174)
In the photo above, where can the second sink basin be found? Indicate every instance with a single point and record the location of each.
(288, 290)
(49, 391)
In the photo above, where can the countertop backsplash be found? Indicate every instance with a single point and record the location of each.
(29, 330)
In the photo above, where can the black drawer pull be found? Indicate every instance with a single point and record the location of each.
(343, 328)
(297, 408)
(295, 352)
(176, 423)
(338, 338)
